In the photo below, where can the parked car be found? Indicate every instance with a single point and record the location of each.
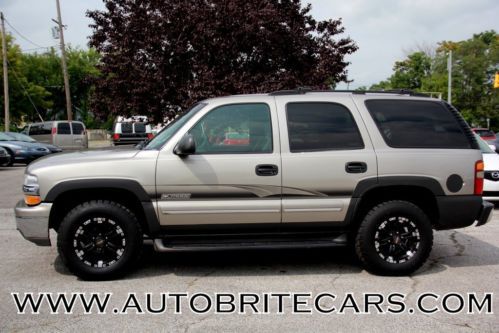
(491, 172)
(494, 144)
(378, 170)
(4, 157)
(25, 138)
(21, 152)
(131, 131)
(485, 133)
(61, 133)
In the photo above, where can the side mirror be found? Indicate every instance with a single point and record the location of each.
(186, 146)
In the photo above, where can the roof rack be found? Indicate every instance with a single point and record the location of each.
(304, 90)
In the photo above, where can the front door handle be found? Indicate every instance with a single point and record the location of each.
(266, 170)
(356, 167)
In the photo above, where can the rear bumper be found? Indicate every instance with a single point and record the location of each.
(33, 222)
(462, 211)
(485, 213)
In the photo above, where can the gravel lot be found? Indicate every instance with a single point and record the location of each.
(462, 261)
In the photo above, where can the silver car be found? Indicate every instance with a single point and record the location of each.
(61, 133)
(287, 169)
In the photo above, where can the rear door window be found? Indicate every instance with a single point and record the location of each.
(126, 128)
(63, 128)
(417, 124)
(319, 126)
(77, 128)
(140, 127)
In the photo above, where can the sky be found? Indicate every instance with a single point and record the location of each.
(384, 30)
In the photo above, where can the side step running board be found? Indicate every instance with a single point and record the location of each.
(164, 245)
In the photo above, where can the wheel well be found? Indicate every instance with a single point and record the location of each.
(66, 201)
(420, 196)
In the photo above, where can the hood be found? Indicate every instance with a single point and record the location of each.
(17, 144)
(491, 162)
(85, 156)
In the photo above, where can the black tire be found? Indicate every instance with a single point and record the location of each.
(99, 240)
(395, 238)
(11, 162)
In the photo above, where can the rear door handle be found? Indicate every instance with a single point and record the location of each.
(356, 167)
(266, 170)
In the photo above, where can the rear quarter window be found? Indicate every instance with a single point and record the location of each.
(39, 129)
(417, 124)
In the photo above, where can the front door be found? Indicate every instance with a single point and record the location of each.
(234, 177)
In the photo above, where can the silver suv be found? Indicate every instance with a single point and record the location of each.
(298, 168)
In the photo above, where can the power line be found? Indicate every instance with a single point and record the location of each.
(38, 48)
(25, 90)
(22, 36)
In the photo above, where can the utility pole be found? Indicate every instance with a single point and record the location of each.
(5, 76)
(449, 83)
(63, 61)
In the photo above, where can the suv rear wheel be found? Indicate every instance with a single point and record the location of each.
(395, 238)
(99, 240)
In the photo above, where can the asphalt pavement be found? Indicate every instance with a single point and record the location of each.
(462, 261)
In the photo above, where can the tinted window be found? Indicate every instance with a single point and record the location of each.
(416, 124)
(237, 128)
(39, 129)
(77, 128)
(126, 127)
(321, 126)
(140, 127)
(63, 128)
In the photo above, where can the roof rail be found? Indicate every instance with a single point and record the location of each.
(304, 90)
(297, 91)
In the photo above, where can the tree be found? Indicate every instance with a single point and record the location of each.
(23, 92)
(475, 62)
(161, 56)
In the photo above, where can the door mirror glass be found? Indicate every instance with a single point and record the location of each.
(186, 146)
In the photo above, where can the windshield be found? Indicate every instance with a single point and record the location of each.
(484, 147)
(166, 133)
(20, 137)
(5, 137)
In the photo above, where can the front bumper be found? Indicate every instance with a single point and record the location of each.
(33, 222)
(27, 157)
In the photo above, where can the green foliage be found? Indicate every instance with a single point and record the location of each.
(475, 62)
(41, 76)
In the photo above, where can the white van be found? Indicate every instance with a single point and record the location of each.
(62, 133)
(131, 131)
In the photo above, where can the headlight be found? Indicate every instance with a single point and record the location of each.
(21, 151)
(31, 190)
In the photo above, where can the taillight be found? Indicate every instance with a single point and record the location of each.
(479, 167)
(150, 135)
(54, 130)
(116, 136)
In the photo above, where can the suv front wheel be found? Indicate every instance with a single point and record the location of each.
(99, 240)
(395, 238)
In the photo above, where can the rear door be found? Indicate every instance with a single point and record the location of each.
(63, 137)
(79, 135)
(326, 152)
(225, 182)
